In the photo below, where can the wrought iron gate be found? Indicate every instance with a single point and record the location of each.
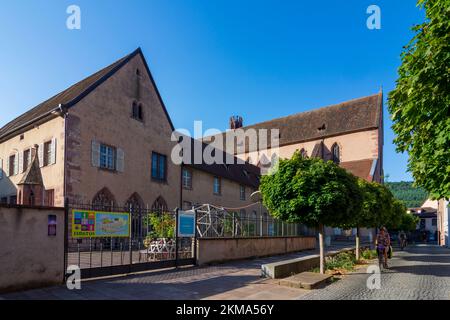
(152, 244)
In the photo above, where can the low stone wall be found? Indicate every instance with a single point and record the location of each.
(29, 257)
(227, 249)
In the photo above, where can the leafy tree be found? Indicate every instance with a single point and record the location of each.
(420, 103)
(409, 222)
(312, 192)
(375, 207)
(411, 196)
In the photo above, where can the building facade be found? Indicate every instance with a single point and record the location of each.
(443, 213)
(106, 141)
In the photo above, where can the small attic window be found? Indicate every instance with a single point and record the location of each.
(323, 127)
(138, 72)
(22, 137)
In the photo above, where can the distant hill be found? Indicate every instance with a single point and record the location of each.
(412, 197)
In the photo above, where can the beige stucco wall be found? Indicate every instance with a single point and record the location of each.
(219, 250)
(105, 116)
(28, 256)
(202, 192)
(353, 146)
(53, 175)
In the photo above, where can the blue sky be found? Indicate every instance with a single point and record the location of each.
(212, 59)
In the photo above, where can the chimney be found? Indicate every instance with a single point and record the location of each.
(236, 122)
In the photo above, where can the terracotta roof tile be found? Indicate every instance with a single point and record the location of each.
(359, 168)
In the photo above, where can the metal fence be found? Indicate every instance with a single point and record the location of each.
(216, 222)
(152, 242)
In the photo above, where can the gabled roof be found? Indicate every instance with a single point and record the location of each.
(73, 95)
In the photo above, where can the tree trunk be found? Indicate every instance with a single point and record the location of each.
(321, 249)
(357, 244)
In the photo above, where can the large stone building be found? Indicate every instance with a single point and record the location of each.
(106, 141)
(349, 133)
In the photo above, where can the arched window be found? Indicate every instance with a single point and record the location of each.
(336, 153)
(160, 205)
(104, 200)
(134, 203)
(303, 153)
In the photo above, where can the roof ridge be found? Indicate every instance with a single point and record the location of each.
(313, 110)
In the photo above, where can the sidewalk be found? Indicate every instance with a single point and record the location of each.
(233, 280)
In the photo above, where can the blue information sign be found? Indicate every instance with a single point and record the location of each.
(186, 223)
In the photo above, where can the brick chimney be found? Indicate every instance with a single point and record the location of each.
(236, 122)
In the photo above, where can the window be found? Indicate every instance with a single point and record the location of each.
(217, 187)
(107, 157)
(160, 205)
(303, 153)
(137, 111)
(159, 163)
(26, 159)
(242, 192)
(47, 153)
(187, 178)
(4, 200)
(434, 222)
(336, 154)
(50, 198)
(12, 165)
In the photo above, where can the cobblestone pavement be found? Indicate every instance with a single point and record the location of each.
(420, 272)
(234, 280)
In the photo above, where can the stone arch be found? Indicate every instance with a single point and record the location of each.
(104, 200)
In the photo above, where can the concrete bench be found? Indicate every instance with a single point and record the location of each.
(286, 268)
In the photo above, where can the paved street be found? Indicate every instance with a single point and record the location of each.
(420, 272)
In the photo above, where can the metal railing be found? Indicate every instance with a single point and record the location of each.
(216, 222)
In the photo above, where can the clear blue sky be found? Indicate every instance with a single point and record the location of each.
(212, 59)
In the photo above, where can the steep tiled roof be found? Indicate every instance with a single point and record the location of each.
(243, 173)
(346, 117)
(72, 95)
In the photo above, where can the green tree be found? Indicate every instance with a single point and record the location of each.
(412, 197)
(420, 103)
(312, 192)
(375, 209)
